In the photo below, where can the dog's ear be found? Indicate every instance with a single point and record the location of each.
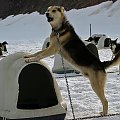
(61, 9)
(4, 43)
(49, 7)
(116, 39)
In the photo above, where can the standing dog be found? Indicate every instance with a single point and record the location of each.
(72, 48)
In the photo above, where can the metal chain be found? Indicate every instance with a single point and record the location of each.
(67, 84)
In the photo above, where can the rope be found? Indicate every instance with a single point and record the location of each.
(98, 116)
(76, 75)
(68, 89)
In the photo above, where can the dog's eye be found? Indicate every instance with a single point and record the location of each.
(53, 10)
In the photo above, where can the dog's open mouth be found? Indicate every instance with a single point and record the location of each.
(49, 19)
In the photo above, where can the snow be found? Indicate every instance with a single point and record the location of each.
(27, 32)
(114, 8)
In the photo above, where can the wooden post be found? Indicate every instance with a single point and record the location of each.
(90, 30)
(119, 69)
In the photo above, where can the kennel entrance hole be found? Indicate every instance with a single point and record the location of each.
(36, 88)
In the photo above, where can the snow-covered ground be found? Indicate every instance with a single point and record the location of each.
(27, 33)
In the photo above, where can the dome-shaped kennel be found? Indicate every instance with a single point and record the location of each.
(28, 90)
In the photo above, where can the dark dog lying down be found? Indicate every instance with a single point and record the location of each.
(3, 47)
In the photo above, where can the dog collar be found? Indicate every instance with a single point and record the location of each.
(60, 32)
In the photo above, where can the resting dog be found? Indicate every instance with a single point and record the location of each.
(100, 40)
(75, 52)
(3, 47)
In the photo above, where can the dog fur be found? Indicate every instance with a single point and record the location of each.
(100, 40)
(3, 47)
(115, 47)
(72, 48)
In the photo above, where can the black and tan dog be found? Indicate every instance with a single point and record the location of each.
(75, 52)
(115, 47)
(3, 47)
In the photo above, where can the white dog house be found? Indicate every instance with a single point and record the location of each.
(46, 43)
(28, 91)
(58, 67)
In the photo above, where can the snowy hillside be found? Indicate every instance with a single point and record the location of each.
(27, 33)
(104, 19)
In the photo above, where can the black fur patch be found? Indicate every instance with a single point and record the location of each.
(117, 48)
(59, 9)
(80, 53)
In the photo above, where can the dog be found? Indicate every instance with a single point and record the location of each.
(115, 47)
(100, 40)
(3, 47)
(65, 41)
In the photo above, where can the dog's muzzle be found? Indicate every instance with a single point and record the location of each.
(49, 19)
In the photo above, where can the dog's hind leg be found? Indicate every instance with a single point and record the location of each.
(98, 80)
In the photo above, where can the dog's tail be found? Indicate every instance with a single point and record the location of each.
(113, 62)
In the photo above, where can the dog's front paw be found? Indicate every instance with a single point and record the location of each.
(103, 114)
(27, 60)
